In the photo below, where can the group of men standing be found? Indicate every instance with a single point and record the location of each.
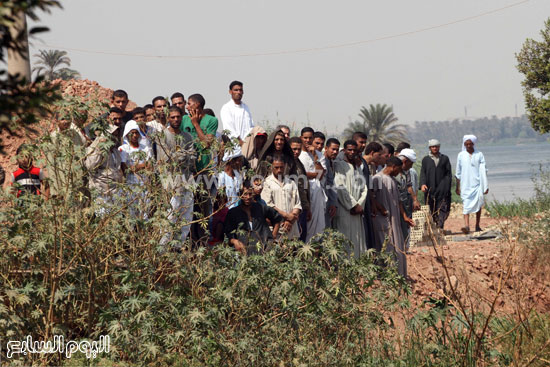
(299, 186)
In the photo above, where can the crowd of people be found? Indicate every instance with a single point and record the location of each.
(255, 187)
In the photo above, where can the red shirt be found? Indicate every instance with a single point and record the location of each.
(28, 181)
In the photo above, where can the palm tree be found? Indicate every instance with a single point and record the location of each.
(49, 62)
(379, 123)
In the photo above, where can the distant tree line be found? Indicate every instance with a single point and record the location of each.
(488, 129)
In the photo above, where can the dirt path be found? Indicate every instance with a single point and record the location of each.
(476, 268)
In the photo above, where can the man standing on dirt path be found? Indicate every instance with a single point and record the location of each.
(387, 224)
(407, 195)
(436, 177)
(471, 181)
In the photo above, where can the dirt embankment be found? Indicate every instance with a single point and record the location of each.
(84, 89)
(479, 271)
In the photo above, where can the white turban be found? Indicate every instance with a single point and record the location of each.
(409, 154)
(232, 153)
(468, 137)
(433, 143)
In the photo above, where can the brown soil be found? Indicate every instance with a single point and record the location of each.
(84, 89)
(478, 270)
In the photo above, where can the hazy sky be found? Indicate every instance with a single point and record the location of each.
(431, 75)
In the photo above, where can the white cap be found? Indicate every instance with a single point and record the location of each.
(434, 143)
(232, 153)
(409, 154)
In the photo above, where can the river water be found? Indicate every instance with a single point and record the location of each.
(510, 167)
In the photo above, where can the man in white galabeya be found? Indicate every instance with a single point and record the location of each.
(471, 181)
(235, 115)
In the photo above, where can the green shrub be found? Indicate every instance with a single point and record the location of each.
(66, 271)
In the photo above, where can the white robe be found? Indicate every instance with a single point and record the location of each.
(237, 119)
(283, 196)
(317, 197)
(472, 173)
(136, 182)
(352, 190)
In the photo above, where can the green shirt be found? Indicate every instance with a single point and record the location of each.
(209, 126)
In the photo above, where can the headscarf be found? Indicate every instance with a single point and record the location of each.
(249, 146)
(269, 147)
(130, 125)
(468, 137)
(267, 154)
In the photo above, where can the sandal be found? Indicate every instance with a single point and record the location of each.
(465, 230)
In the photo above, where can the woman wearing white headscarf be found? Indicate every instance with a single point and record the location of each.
(136, 156)
(471, 180)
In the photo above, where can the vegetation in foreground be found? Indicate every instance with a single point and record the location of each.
(65, 271)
